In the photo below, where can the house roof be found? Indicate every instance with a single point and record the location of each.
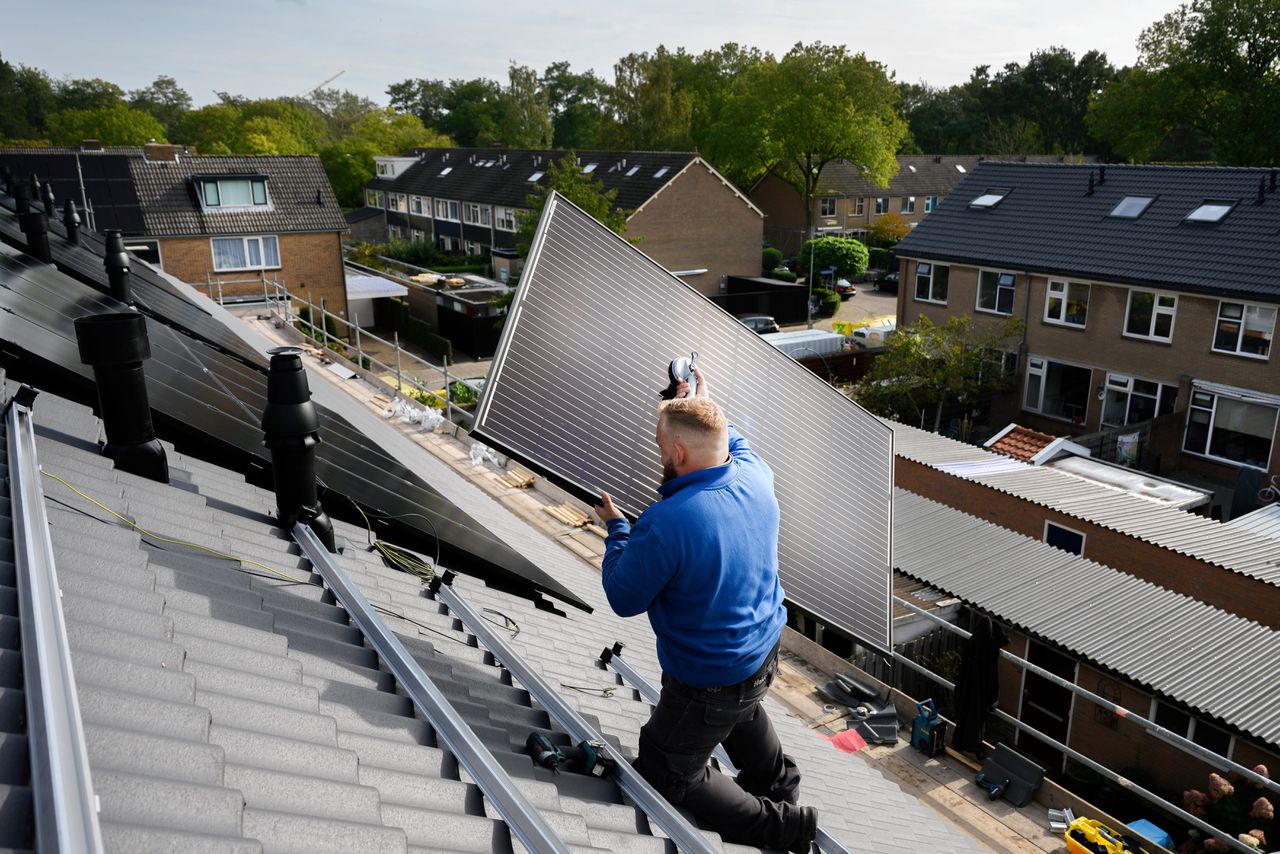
(1195, 536)
(1048, 222)
(501, 176)
(1131, 627)
(1264, 521)
(1022, 443)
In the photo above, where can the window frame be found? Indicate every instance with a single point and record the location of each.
(1044, 536)
(822, 206)
(476, 214)
(1065, 298)
(1242, 321)
(908, 205)
(930, 203)
(932, 276)
(500, 216)
(1213, 418)
(1125, 383)
(375, 199)
(1043, 373)
(260, 238)
(254, 183)
(1013, 300)
(398, 202)
(1192, 723)
(1156, 311)
(423, 203)
(451, 210)
(860, 206)
(882, 205)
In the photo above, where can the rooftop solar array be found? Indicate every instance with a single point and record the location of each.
(574, 387)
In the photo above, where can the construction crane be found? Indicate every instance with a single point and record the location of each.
(320, 86)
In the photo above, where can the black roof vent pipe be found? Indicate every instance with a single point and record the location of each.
(7, 174)
(1262, 190)
(115, 345)
(71, 221)
(116, 260)
(34, 184)
(1089, 192)
(1102, 174)
(34, 225)
(291, 431)
(1271, 183)
(50, 203)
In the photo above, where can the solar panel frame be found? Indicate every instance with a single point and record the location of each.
(573, 390)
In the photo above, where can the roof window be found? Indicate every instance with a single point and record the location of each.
(911, 167)
(633, 170)
(989, 199)
(960, 168)
(588, 169)
(535, 176)
(1131, 207)
(445, 171)
(664, 170)
(1211, 211)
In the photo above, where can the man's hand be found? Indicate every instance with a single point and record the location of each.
(605, 509)
(682, 390)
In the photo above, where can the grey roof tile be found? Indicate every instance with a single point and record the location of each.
(236, 682)
(416, 789)
(461, 832)
(270, 664)
(153, 755)
(397, 755)
(288, 833)
(90, 638)
(380, 724)
(128, 711)
(153, 840)
(150, 801)
(131, 677)
(289, 755)
(304, 794)
(264, 717)
(106, 615)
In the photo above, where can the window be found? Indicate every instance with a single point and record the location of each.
(859, 207)
(446, 209)
(1000, 363)
(1057, 390)
(1150, 315)
(471, 247)
(394, 232)
(911, 167)
(417, 235)
(1131, 207)
(245, 253)
(415, 205)
(373, 198)
(535, 176)
(1064, 538)
(882, 204)
(1204, 734)
(1067, 303)
(147, 250)
(931, 282)
(1244, 329)
(382, 168)
(1174, 720)
(664, 170)
(961, 169)
(828, 207)
(1128, 400)
(995, 292)
(930, 202)
(589, 168)
(504, 219)
(633, 170)
(989, 199)
(1211, 211)
(398, 202)
(233, 192)
(1212, 738)
(445, 171)
(476, 214)
(908, 204)
(1230, 429)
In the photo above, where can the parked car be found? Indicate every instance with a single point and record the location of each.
(845, 288)
(887, 282)
(758, 323)
(872, 336)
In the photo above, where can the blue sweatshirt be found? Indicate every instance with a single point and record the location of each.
(703, 562)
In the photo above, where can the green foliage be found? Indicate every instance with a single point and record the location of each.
(165, 100)
(209, 127)
(586, 191)
(888, 229)
(115, 124)
(420, 253)
(880, 259)
(782, 274)
(828, 301)
(26, 97)
(848, 256)
(575, 102)
(925, 367)
(770, 259)
(526, 111)
(1238, 807)
(648, 108)
(94, 94)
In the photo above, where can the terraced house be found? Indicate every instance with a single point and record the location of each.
(684, 214)
(1149, 295)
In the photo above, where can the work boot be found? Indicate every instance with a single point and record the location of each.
(803, 843)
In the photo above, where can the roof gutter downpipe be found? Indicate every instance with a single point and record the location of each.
(115, 345)
(291, 431)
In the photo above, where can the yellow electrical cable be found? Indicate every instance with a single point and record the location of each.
(144, 531)
(397, 557)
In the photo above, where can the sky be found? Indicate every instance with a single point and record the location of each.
(265, 48)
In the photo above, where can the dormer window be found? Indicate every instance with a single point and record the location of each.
(1211, 211)
(989, 199)
(232, 192)
(1131, 207)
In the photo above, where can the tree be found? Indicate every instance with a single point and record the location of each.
(116, 124)
(888, 229)
(586, 191)
(92, 94)
(1141, 120)
(926, 368)
(211, 129)
(526, 113)
(816, 105)
(349, 162)
(575, 101)
(848, 256)
(26, 97)
(425, 99)
(474, 109)
(648, 108)
(342, 108)
(165, 100)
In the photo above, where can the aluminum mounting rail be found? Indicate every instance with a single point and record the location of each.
(612, 657)
(66, 814)
(659, 810)
(521, 817)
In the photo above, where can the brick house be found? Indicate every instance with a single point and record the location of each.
(221, 223)
(1149, 295)
(847, 203)
(686, 216)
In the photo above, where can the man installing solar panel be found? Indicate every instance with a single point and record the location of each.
(703, 563)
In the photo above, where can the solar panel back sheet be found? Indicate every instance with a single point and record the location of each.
(574, 388)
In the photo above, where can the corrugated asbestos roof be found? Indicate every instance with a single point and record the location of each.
(1265, 521)
(494, 176)
(227, 709)
(1048, 222)
(300, 197)
(1197, 537)
(1204, 658)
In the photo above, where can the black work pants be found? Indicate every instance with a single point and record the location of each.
(759, 807)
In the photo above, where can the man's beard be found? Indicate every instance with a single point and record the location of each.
(668, 472)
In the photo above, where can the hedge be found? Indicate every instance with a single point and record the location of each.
(771, 259)
(829, 301)
(782, 274)
(482, 269)
(882, 259)
(419, 332)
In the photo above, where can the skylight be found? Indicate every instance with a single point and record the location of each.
(445, 171)
(911, 167)
(989, 199)
(588, 169)
(535, 176)
(1131, 207)
(1211, 211)
(633, 170)
(664, 170)
(960, 168)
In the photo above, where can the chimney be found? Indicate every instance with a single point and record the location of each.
(34, 224)
(115, 345)
(1089, 192)
(116, 260)
(91, 145)
(937, 158)
(71, 221)
(291, 431)
(159, 152)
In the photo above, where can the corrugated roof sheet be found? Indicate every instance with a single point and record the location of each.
(1048, 222)
(1265, 521)
(1198, 537)
(1209, 660)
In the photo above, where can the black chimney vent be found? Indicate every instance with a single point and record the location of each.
(115, 345)
(319, 197)
(1271, 184)
(7, 175)
(1262, 190)
(34, 224)
(22, 198)
(291, 431)
(34, 183)
(116, 260)
(50, 203)
(71, 221)
(1090, 190)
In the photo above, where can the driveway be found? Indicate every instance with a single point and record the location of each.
(866, 307)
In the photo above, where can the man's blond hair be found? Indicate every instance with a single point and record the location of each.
(696, 419)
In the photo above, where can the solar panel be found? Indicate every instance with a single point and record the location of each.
(573, 392)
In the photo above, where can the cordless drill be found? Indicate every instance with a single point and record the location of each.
(587, 757)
